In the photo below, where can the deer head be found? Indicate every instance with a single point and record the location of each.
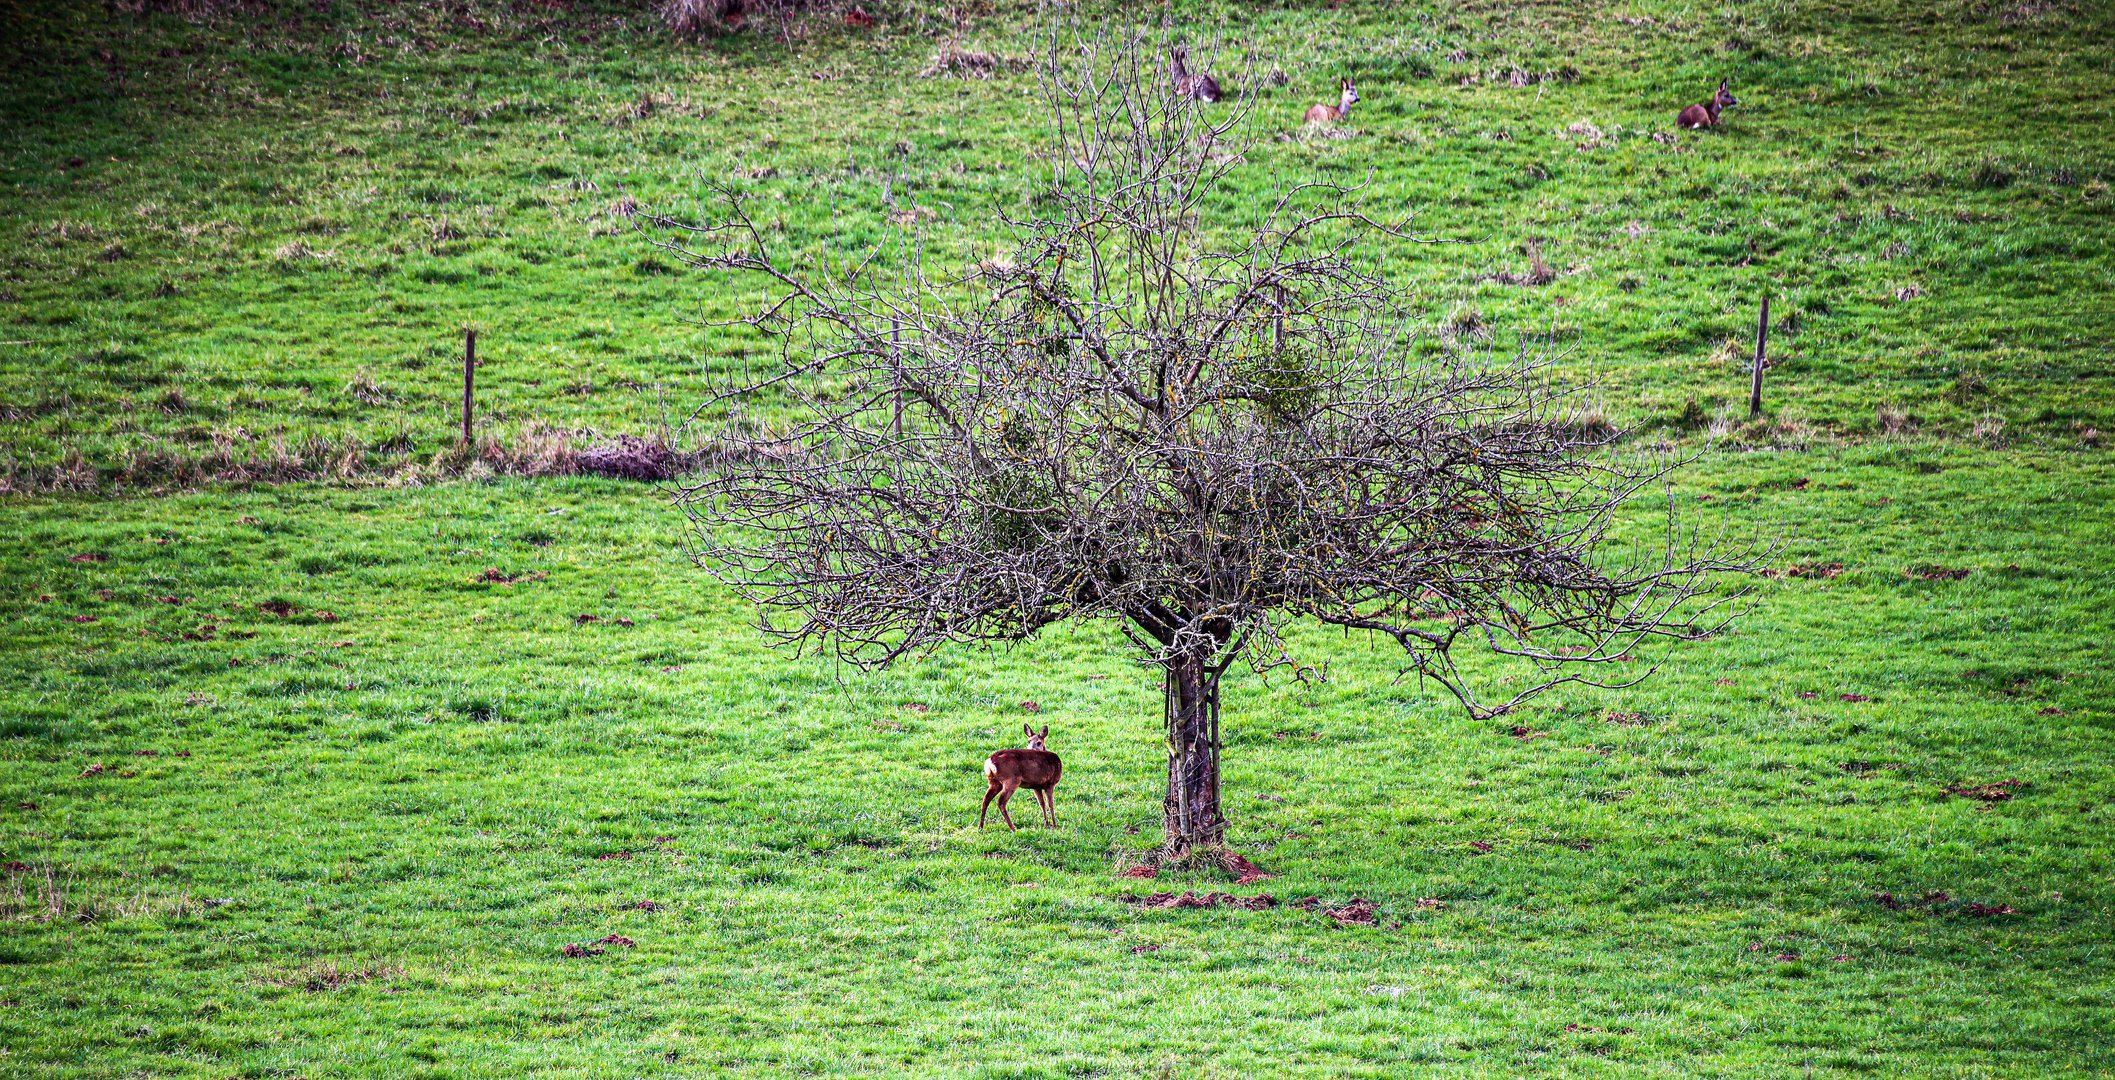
(1724, 97)
(1035, 738)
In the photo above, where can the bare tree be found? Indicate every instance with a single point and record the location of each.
(1199, 418)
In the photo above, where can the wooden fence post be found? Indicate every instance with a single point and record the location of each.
(1762, 340)
(469, 379)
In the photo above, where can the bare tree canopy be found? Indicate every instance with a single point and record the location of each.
(1201, 422)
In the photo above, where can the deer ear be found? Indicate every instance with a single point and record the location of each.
(1028, 731)
(1046, 732)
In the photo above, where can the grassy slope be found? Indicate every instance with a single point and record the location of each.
(286, 238)
(436, 824)
(420, 790)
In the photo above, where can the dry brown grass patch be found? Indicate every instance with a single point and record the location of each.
(323, 976)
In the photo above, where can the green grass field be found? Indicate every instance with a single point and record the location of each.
(355, 796)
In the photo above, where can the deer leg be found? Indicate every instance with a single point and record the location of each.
(988, 793)
(1050, 805)
(1006, 793)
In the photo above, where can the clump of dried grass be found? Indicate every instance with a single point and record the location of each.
(699, 18)
(1538, 270)
(1465, 323)
(1588, 420)
(1891, 419)
(237, 457)
(46, 892)
(186, 9)
(1723, 424)
(323, 976)
(952, 60)
(294, 251)
(364, 388)
(705, 18)
(629, 458)
(1990, 430)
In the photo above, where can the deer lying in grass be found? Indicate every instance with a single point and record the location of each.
(1705, 114)
(1330, 114)
(1034, 768)
(1200, 85)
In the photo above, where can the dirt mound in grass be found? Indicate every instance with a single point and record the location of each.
(1993, 792)
(1189, 899)
(629, 458)
(1356, 911)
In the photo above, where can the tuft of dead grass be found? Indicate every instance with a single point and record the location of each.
(629, 458)
(183, 9)
(44, 891)
(1465, 324)
(324, 976)
(236, 457)
(702, 18)
(1998, 791)
(1891, 419)
(1538, 270)
(954, 61)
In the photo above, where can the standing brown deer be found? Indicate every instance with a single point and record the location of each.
(1200, 85)
(1330, 114)
(1705, 114)
(1035, 768)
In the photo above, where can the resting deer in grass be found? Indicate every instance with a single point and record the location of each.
(1200, 86)
(1034, 768)
(1330, 114)
(1705, 114)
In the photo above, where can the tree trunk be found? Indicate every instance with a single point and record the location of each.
(1191, 813)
